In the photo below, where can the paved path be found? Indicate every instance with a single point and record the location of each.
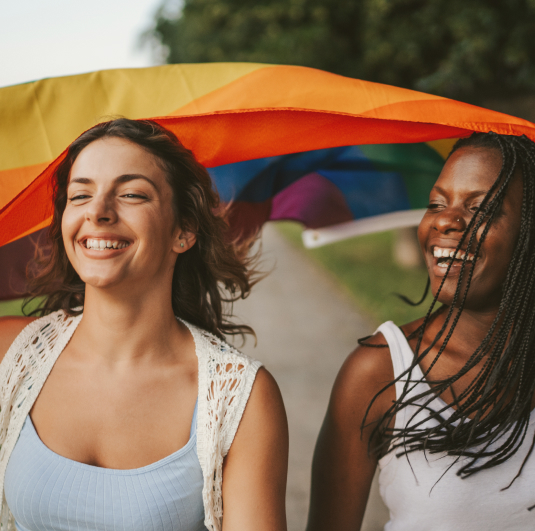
(305, 326)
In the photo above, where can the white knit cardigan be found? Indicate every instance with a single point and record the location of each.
(226, 377)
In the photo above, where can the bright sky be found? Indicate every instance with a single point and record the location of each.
(48, 38)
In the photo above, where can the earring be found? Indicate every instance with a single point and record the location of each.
(181, 244)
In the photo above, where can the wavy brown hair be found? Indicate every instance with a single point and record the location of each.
(207, 278)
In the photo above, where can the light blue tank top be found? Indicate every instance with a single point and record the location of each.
(48, 492)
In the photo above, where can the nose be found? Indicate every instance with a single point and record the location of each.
(100, 210)
(450, 220)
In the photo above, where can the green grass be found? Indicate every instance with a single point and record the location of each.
(364, 266)
(15, 307)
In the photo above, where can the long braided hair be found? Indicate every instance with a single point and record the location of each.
(490, 418)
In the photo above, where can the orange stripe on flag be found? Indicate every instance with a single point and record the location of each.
(14, 181)
(223, 138)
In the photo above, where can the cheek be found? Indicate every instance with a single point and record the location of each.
(499, 243)
(155, 228)
(423, 229)
(70, 226)
(67, 227)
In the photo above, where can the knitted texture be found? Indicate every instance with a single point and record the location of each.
(226, 377)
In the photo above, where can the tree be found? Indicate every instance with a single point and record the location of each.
(462, 49)
(470, 50)
(303, 32)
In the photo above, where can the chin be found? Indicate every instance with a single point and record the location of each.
(447, 293)
(100, 280)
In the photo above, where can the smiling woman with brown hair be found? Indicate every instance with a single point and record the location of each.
(444, 405)
(122, 406)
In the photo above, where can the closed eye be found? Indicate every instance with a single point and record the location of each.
(134, 196)
(76, 197)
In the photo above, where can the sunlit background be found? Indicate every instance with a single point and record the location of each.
(48, 38)
(478, 51)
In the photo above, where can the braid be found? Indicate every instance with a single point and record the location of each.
(488, 422)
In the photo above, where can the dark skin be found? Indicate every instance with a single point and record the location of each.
(343, 469)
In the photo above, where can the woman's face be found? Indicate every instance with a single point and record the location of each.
(119, 226)
(461, 187)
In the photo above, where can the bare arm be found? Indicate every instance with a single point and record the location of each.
(342, 469)
(10, 328)
(255, 469)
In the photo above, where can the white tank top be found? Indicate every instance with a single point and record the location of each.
(418, 501)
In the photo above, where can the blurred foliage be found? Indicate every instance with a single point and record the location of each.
(15, 307)
(467, 50)
(354, 263)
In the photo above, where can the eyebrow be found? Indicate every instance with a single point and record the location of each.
(472, 194)
(118, 180)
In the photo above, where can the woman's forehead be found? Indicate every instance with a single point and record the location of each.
(471, 172)
(470, 169)
(110, 157)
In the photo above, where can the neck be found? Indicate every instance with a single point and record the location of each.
(470, 330)
(132, 328)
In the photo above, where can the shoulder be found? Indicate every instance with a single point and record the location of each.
(256, 466)
(368, 365)
(219, 351)
(411, 327)
(10, 328)
(365, 372)
(265, 395)
(264, 414)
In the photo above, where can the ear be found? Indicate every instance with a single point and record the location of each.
(184, 241)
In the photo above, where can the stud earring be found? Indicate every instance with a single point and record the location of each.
(181, 244)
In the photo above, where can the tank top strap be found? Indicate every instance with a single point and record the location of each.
(401, 354)
(193, 429)
(402, 358)
(400, 350)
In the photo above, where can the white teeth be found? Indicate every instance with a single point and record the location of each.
(443, 253)
(102, 245)
(450, 253)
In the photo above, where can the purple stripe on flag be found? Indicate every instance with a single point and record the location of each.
(14, 260)
(312, 200)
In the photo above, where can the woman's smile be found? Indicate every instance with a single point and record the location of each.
(119, 224)
(456, 197)
(103, 245)
(450, 257)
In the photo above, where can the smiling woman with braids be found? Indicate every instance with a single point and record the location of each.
(444, 405)
(122, 407)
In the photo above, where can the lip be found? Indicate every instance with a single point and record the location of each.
(455, 268)
(102, 254)
(446, 243)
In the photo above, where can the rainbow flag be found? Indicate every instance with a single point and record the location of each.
(281, 142)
